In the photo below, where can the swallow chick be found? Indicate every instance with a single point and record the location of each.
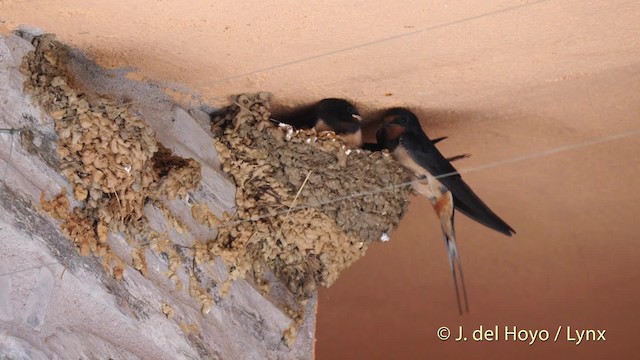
(435, 178)
(331, 114)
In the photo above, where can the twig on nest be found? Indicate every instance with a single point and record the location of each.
(293, 203)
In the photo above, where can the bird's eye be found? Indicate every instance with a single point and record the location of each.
(352, 111)
(403, 120)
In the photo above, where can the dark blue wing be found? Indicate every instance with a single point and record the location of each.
(425, 154)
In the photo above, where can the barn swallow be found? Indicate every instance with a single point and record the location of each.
(435, 178)
(332, 114)
(379, 146)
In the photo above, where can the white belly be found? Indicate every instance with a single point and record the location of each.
(424, 183)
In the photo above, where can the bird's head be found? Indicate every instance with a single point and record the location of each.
(396, 122)
(338, 109)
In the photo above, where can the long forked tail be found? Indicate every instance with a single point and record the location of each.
(454, 262)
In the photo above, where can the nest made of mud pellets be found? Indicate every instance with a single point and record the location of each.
(109, 155)
(307, 206)
(301, 211)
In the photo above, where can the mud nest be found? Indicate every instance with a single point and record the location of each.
(302, 211)
(110, 157)
(307, 206)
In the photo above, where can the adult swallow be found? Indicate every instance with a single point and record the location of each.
(379, 146)
(435, 178)
(332, 114)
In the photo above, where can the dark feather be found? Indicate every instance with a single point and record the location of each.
(425, 154)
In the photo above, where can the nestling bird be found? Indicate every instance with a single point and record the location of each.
(435, 178)
(332, 114)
